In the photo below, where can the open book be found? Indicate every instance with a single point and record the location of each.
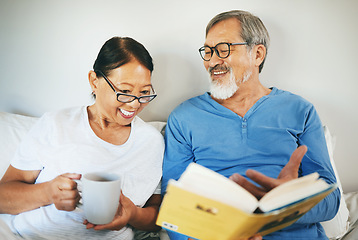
(206, 205)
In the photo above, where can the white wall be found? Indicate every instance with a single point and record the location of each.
(47, 48)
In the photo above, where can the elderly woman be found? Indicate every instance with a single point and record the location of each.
(39, 187)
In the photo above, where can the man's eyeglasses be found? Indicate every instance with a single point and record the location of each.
(127, 98)
(222, 50)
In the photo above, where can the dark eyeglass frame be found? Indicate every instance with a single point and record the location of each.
(141, 99)
(212, 49)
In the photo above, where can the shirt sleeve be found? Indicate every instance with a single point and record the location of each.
(317, 160)
(158, 188)
(177, 156)
(178, 153)
(26, 155)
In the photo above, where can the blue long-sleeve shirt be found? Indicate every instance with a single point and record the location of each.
(203, 131)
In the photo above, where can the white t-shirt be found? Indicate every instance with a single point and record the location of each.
(62, 142)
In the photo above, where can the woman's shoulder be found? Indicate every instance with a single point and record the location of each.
(153, 128)
(61, 118)
(73, 114)
(65, 112)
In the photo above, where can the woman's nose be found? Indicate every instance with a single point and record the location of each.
(135, 104)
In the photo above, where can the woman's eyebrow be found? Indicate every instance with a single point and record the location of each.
(132, 85)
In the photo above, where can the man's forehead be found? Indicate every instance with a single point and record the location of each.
(225, 31)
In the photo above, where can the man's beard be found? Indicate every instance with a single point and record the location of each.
(224, 90)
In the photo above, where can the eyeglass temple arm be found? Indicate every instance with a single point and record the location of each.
(105, 78)
(243, 43)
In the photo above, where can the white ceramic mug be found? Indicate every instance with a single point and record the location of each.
(100, 196)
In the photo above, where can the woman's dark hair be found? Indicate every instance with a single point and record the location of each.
(118, 51)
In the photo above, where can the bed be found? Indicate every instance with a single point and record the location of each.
(14, 126)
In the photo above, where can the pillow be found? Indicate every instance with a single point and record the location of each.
(338, 226)
(160, 126)
(12, 128)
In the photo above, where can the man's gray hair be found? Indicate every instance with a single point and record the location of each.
(253, 31)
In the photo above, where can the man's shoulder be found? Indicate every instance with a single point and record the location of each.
(192, 103)
(290, 96)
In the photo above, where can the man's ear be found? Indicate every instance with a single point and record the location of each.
(93, 81)
(260, 53)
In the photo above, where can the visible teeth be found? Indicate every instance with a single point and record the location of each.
(217, 73)
(126, 112)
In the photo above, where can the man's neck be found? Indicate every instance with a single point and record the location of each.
(245, 97)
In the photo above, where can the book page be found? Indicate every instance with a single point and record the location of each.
(292, 191)
(210, 184)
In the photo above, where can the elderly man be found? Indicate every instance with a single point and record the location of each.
(242, 129)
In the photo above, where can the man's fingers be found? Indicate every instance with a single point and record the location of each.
(290, 171)
(256, 237)
(266, 182)
(252, 188)
(296, 157)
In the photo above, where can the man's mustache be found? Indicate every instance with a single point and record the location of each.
(218, 67)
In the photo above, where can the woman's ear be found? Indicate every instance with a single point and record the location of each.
(260, 53)
(93, 81)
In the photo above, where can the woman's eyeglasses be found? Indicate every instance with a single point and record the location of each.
(127, 98)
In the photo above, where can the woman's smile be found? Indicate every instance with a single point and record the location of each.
(126, 114)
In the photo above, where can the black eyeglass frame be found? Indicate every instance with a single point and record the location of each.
(152, 96)
(212, 49)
